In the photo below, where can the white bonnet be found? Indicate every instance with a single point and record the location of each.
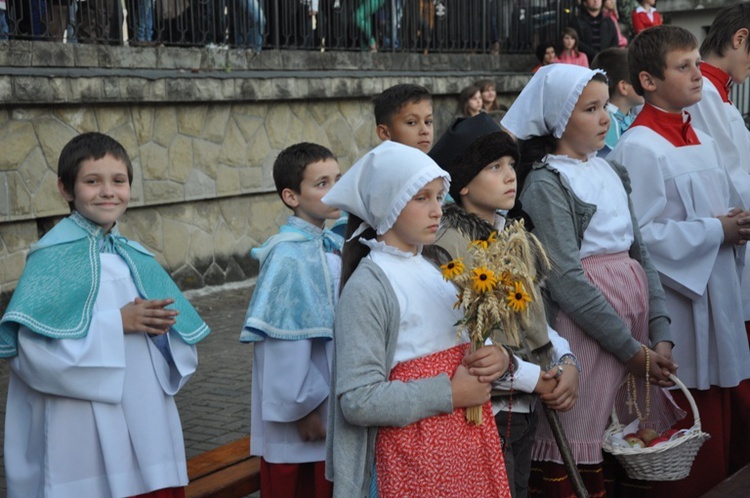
(546, 103)
(378, 186)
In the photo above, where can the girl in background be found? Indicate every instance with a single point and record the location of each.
(470, 101)
(569, 52)
(489, 95)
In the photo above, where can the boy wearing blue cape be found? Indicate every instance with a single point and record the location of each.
(290, 323)
(100, 339)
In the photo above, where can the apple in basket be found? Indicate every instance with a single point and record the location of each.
(647, 435)
(657, 440)
(634, 441)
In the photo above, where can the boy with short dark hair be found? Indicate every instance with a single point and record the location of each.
(691, 223)
(97, 351)
(403, 113)
(290, 322)
(622, 96)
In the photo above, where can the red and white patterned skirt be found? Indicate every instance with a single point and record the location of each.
(442, 455)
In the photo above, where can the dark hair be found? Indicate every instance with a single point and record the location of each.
(648, 51)
(614, 61)
(463, 98)
(573, 34)
(535, 148)
(85, 147)
(353, 250)
(484, 84)
(541, 50)
(532, 150)
(289, 166)
(391, 100)
(727, 22)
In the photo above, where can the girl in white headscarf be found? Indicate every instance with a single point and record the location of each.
(603, 294)
(400, 376)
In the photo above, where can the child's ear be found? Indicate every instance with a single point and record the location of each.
(464, 191)
(64, 193)
(289, 197)
(740, 38)
(622, 88)
(648, 82)
(383, 132)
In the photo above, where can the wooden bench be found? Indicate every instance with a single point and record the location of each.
(224, 472)
(735, 486)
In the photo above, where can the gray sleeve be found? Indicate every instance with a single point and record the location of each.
(366, 329)
(549, 206)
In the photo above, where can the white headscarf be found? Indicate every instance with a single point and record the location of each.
(378, 186)
(546, 103)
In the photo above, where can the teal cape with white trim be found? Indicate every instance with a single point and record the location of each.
(60, 283)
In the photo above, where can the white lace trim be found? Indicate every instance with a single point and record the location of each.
(380, 246)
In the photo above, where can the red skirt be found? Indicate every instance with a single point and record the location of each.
(442, 455)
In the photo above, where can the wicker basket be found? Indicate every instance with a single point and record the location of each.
(669, 461)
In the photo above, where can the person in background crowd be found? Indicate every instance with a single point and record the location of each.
(569, 52)
(595, 31)
(546, 54)
(645, 16)
(470, 101)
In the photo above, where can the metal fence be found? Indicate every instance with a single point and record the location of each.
(740, 96)
(399, 25)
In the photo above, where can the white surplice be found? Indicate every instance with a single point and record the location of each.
(677, 194)
(723, 122)
(96, 417)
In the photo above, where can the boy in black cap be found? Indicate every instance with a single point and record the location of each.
(481, 158)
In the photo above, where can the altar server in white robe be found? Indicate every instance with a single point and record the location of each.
(100, 339)
(690, 216)
(726, 61)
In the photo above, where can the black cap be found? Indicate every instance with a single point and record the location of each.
(468, 146)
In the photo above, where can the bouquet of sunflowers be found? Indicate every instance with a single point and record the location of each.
(496, 285)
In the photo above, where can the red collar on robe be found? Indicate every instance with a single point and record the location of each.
(721, 80)
(674, 127)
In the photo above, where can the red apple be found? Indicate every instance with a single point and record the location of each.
(658, 440)
(647, 435)
(670, 432)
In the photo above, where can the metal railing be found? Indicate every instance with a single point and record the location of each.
(740, 96)
(479, 26)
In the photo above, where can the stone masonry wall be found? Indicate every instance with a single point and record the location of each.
(202, 194)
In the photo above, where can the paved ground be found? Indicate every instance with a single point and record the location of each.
(215, 404)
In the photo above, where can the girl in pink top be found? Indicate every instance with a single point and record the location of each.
(569, 53)
(609, 8)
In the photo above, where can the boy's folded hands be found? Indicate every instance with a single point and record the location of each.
(149, 316)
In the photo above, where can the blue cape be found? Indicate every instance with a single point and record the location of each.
(294, 295)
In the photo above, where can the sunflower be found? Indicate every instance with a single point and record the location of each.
(452, 269)
(483, 280)
(518, 298)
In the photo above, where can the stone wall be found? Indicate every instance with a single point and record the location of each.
(202, 141)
